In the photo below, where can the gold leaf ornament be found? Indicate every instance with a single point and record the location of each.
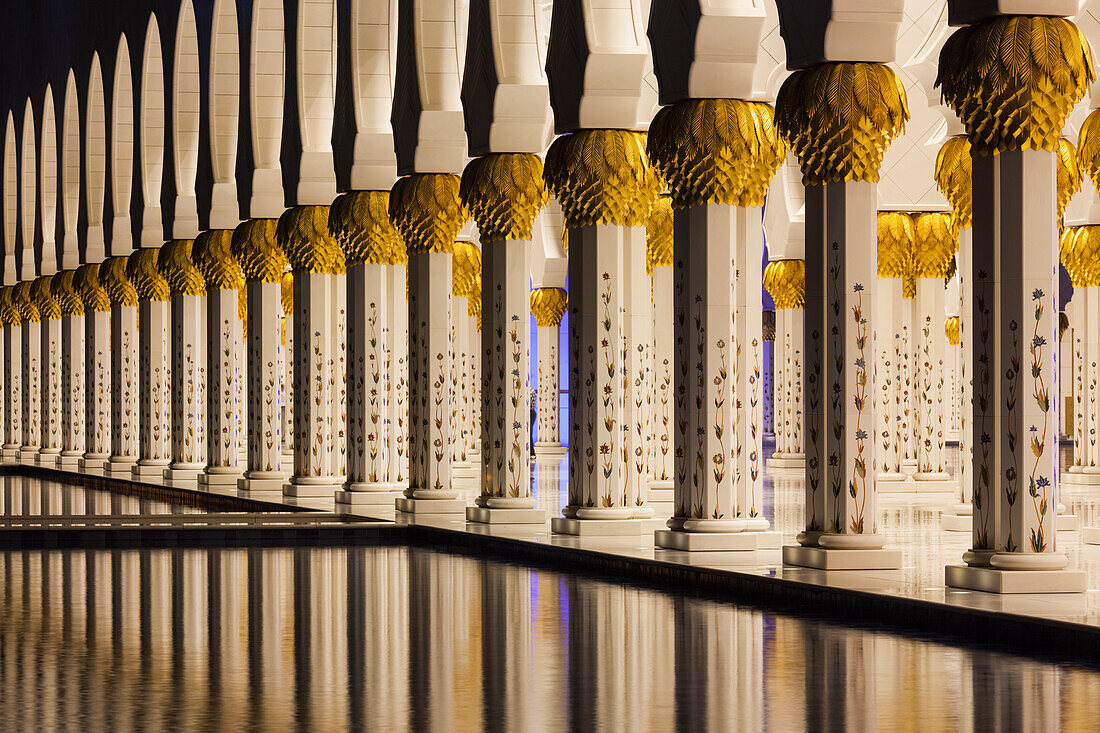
(112, 275)
(473, 301)
(1069, 175)
(548, 305)
(287, 294)
(64, 290)
(839, 119)
(212, 254)
(48, 307)
(465, 267)
(954, 178)
(658, 235)
(602, 177)
(428, 212)
(785, 281)
(174, 263)
(936, 240)
(716, 151)
(1088, 147)
(256, 247)
(9, 314)
(951, 330)
(504, 193)
(1079, 251)
(143, 273)
(1013, 80)
(91, 291)
(896, 257)
(303, 233)
(360, 223)
(23, 300)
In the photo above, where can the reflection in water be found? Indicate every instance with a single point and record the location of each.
(408, 639)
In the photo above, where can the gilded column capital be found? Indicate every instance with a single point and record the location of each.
(785, 281)
(23, 300)
(465, 267)
(303, 234)
(1088, 147)
(147, 280)
(723, 151)
(1079, 251)
(48, 307)
(839, 119)
(64, 290)
(1014, 79)
(473, 301)
(255, 246)
(9, 314)
(286, 293)
(658, 235)
(602, 177)
(174, 263)
(113, 277)
(1069, 175)
(93, 293)
(548, 306)
(212, 254)
(951, 330)
(504, 193)
(427, 210)
(896, 255)
(360, 223)
(936, 240)
(954, 178)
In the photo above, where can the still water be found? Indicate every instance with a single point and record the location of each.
(398, 638)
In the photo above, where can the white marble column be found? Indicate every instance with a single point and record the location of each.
(427, 212)
(548, 306)
(212, 256)
(97, 368)
(748, 385)
(72, 369)
(659, 265)
(125, 424)
(154, 365)
(13, 376)
(264, 263)
(6, 311)
(318, 265)
(505, 216)
(476, 418)
(397, 354)
(31, 350)
(189, 380)
(466, 263)
(360, 223)
(786, 283)
(287, 348)
(637, 345)
(50, 313)
(888, 382)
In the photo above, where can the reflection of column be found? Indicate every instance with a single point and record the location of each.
(548, 306)
(427, 211)
(72, 368)
(124, 365)
(786, 283)
(606, 186)
(360, 222)
(287, 350)
(936, 241)
(318, 264)
(31, 350)
(1015, 287)
(188, 371)
(223, 277)
(505, 193)
(97, 367)
(431, 638)
(507, 658)
(659, 263)
(155, 394)
(717, 254)
(264, 263)
(50, 349)
(840, 174)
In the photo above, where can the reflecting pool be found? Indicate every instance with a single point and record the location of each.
(398, 638)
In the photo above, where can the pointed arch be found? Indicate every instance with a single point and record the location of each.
(225, 91)
(70, 173)
(11, 193)
(265, 106)
(316, 65)
(122, 148)
(151, 123)
(95, 146)
(47, 184)
(185, 101)
(28, 185)
(374, 69)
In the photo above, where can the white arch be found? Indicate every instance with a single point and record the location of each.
(266, 106)
(70, 173)
(11, 200)
(185, 110)
(122, 149)
(28, 183)
(316, 70)
(152, 135)
(225, 91)
(374, 68)
(95, 159)
(48, 184)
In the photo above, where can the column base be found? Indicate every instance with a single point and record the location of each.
(909, 467)
(672, 539)
(1091, 535)
(890, 477)
(261, 485)
(1068, 523)
(9, 453)
(466, 475)
(825, 559)
(661, 498)
(913, 485)
(957, 522)
(120, 465)
(429, 506)
(92, 462)
(1081, 477)
(149, 470)
(68, 461)
(48, 457)
(489, 515)
(313, 486)
(219, 479)
(786, 462)
(996, 580)
(628, 527)
(181, 477)
(549, 449)
(383, 498)
(29, 455)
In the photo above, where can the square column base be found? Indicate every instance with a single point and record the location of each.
(909, 485)
(1068, 523)
(1081, 478)
(9, 455)
(220, 480)
(429, 506)
(261, 485)
(142, 472)
(716, 541)
(549, 450)
(783, 463)
(992, 580)
(183, 478)
(823, 559)
(92, 464)
(68, 463)
(381, 499)
(485, 515)
(957, 522)
(49, 460)
(311, 490)
(1091, 535)
(119, 468)
(601, 527)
